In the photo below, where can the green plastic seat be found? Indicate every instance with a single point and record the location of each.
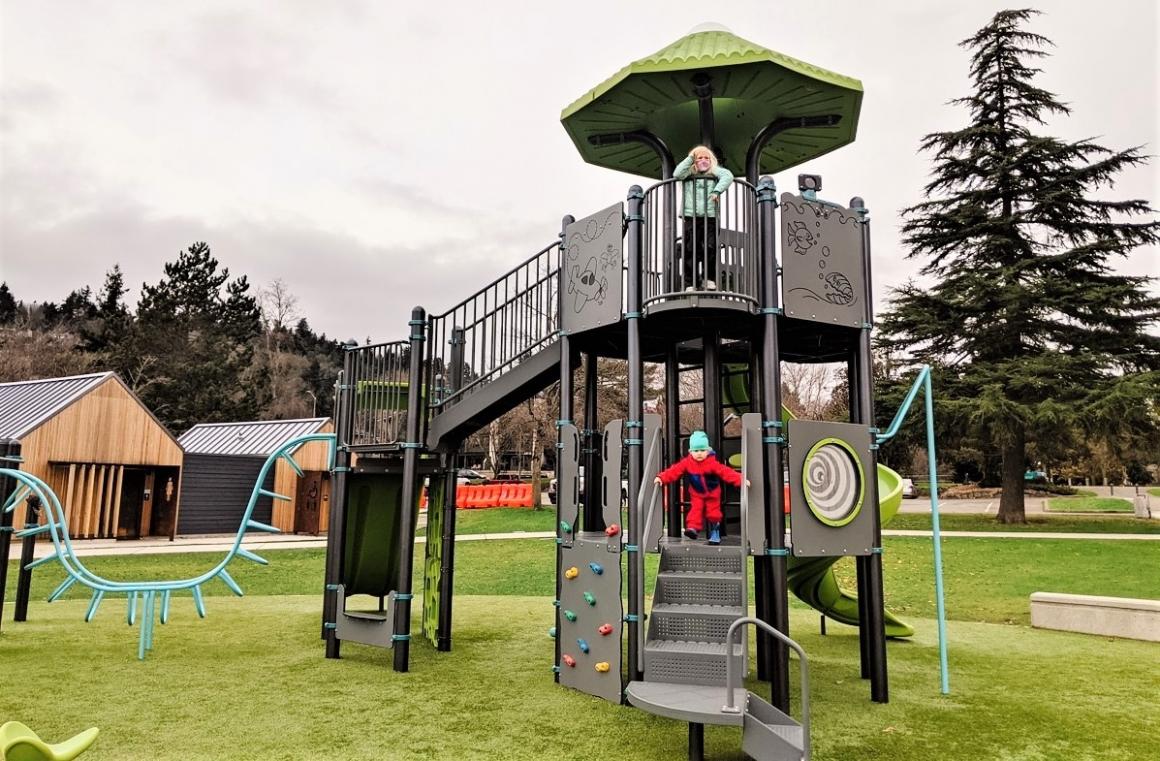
(19, 743)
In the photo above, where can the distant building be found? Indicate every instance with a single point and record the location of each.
(222, 461)
(115, 467)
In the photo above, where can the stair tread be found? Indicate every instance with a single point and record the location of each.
(685, 702)
(735, 611)
(689, 647)
(707, 575)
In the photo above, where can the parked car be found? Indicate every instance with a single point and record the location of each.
(469, 476)
(908, 489)
(553, 496)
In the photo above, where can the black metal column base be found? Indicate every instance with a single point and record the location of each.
(333, 646)
(443, 645)
(696, 742)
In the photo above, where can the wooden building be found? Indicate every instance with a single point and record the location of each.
(222, 461)
(115, 467)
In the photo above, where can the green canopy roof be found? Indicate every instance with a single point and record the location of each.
(752, 87)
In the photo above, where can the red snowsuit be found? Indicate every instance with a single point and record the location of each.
(705, 479)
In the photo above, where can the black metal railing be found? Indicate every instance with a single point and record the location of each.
(693, 243)
(377, 387)
(492, 331)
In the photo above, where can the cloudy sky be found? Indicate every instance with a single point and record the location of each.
(379, 155)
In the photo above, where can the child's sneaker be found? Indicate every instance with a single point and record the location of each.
(691, 533)
(714, 533)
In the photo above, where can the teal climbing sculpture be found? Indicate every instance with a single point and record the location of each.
(145, 594)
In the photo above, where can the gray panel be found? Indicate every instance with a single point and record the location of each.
(605, 609)
(568, 483)
(591, 267)
(838, 475)
(366, 627)
(823, 276)
(612, 455)
(215, 490)
(651, 505)
(753, 469)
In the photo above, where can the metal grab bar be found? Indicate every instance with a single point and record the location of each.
(730, 679)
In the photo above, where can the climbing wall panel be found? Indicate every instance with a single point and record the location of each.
(591, 616)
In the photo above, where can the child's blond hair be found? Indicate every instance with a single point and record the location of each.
(706, 150)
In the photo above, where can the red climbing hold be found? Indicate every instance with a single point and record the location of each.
(605, 629)
(613, 530)
(569, 661)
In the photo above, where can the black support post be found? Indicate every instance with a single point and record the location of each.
(634, 430)
(411, 486)
(27, 555)
(336, 528)
(872, 565)
(9, 458)
(772, 569)
(567, 403)
(593, 462)
(673, 435)
(451, 485)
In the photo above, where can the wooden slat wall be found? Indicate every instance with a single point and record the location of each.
(107, 426)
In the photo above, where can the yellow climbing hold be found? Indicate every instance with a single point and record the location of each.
(572, 573)
(602, 666)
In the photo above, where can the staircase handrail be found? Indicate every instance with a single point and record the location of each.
(731, 678)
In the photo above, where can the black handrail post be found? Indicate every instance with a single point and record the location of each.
(336, 528)
(447, 551)
(567, 400)
(673, 433)
(27, 555)
(634, 429)
(411, 447)
(875, 599)
(9, 458)
(773, 567)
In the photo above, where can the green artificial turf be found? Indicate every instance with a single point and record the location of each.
(251, 682)
(1089, 505)
(1080, 524)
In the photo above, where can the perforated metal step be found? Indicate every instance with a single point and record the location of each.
(692, 623)
(689, 588)
(703, 558)
(687, 662)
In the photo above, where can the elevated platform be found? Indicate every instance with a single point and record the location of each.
(694, 703)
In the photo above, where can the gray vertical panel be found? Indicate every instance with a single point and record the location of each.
(591, 547)
(753, 469)
(811, 536)
(823, 273)
(568, 482)
(651, 502)
(591, 266)
(612, 455)
(215, 490)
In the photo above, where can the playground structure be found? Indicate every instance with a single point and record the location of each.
(791, 282)
(154, 596)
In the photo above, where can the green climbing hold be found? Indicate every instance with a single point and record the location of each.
(566, 527)
(569, 615)
(589, 598)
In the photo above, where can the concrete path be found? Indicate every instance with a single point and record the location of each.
(259, 544)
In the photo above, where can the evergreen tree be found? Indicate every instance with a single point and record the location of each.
(8, 307)
(1031, 328)
(193, 343)
(109, 327)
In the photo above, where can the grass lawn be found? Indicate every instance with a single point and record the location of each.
(502, 520)
(1081, 524)
(250, 682)
(1089, 505)
(1154, 491)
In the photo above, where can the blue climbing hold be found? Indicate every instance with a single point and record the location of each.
(596, 568)
(583, 645)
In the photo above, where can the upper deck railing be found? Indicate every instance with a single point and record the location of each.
(693, 244)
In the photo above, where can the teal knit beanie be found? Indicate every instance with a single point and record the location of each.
(699, 441)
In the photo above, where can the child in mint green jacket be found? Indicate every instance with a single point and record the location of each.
(704, 182)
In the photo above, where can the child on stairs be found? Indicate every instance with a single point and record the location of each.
(705, 475)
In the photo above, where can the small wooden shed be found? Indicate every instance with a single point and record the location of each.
(222, 461)
(115, 467)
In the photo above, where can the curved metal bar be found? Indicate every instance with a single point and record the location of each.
(753, 155)
(923, 377)
(731, 677)
(639, 136)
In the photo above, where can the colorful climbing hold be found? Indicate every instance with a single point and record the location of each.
(613, 530)
(583, 645)
(566, 527)
(572, 573)
(602, 667)
(605, 630)
(569, 615)
(552, 632)
(589, 598)
(596, 568)
(569, 661)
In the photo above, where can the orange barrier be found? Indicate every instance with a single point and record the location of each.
(786, 492)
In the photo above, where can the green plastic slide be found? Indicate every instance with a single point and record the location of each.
(813, 579)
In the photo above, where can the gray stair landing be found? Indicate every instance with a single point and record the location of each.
(694, 703)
